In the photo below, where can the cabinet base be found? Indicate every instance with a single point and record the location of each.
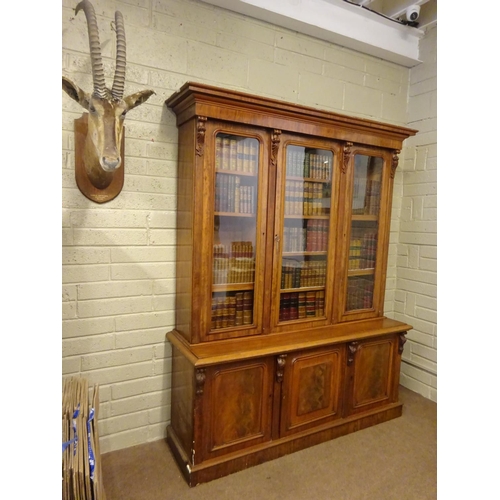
(234, 462)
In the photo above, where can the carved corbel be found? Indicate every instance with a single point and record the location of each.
(402, 342)
(200, 135)
(200, 376)
(347, 156)
(280, 370)
(275, 144)
(395, 162)
(352, 347)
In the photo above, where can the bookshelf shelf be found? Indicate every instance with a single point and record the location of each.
(307, 217)
(302, 289)
(235, 172)
(234, 214)
(305, 254)
(233, 287)
(283, 218)
(364, 218)
(361, 272)
(308, 179)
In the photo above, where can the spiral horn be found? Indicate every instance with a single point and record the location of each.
(100, 89)
(119, 78)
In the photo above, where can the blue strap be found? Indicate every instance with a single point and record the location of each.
(75, 439)
(91, 452)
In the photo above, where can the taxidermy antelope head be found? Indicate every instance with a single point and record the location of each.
(101, 151)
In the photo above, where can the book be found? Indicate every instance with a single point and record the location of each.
(226, 146)
(302, 305)
(294, 306)
(310, 304)
(238, 308)
(285, 307)
(247, 308)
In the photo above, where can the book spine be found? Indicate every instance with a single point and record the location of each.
(237, 182)
(285, 306)
(214, 313)
(226, 153)
(254, 156)
(233, 147)
(231, 321)
(294, 305)
(246, 156)
(302, 305)
(310, 304)
(220, 312)
(239, 156)
(218, 152)
(239, 309)
(247, 308)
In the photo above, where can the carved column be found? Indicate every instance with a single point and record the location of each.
(200, 135)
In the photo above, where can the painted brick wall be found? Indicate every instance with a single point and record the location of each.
(118, 258)
(415, 298)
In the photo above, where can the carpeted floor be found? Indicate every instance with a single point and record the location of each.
(396, 460)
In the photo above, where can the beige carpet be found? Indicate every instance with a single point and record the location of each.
(396, 460)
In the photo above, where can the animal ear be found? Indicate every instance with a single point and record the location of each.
(75, 92)
(138, 98)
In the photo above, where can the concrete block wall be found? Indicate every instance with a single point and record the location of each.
(118, 258)
(415, 295)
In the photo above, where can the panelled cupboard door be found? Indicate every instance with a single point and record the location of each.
(373, 372)
(307, 187)
(365, 233)
(311, 391)
(237, 406)
(236, 164)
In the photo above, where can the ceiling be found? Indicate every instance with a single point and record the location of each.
(376, 27)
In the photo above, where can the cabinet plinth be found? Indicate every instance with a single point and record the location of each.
(282, 240)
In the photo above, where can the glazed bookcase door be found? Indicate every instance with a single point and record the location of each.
(366, 228)
(237, 156)
(304, 240)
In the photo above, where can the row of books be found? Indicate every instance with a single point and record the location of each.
(300, 163)
(306, 198)
(297, 274)
(363, 250)
(359, 294)
(233, 309)
(232, 196)
(300, 305)
(233, 263)
(312, 238)
(366, 196)
(237, 154)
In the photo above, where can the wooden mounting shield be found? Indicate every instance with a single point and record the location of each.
(82, 180)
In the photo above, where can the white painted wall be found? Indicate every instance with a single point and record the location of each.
(118, 258)
(416, 283)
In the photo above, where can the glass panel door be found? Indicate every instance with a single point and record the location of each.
(306, 228)
(364, 231)
(235, 231)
